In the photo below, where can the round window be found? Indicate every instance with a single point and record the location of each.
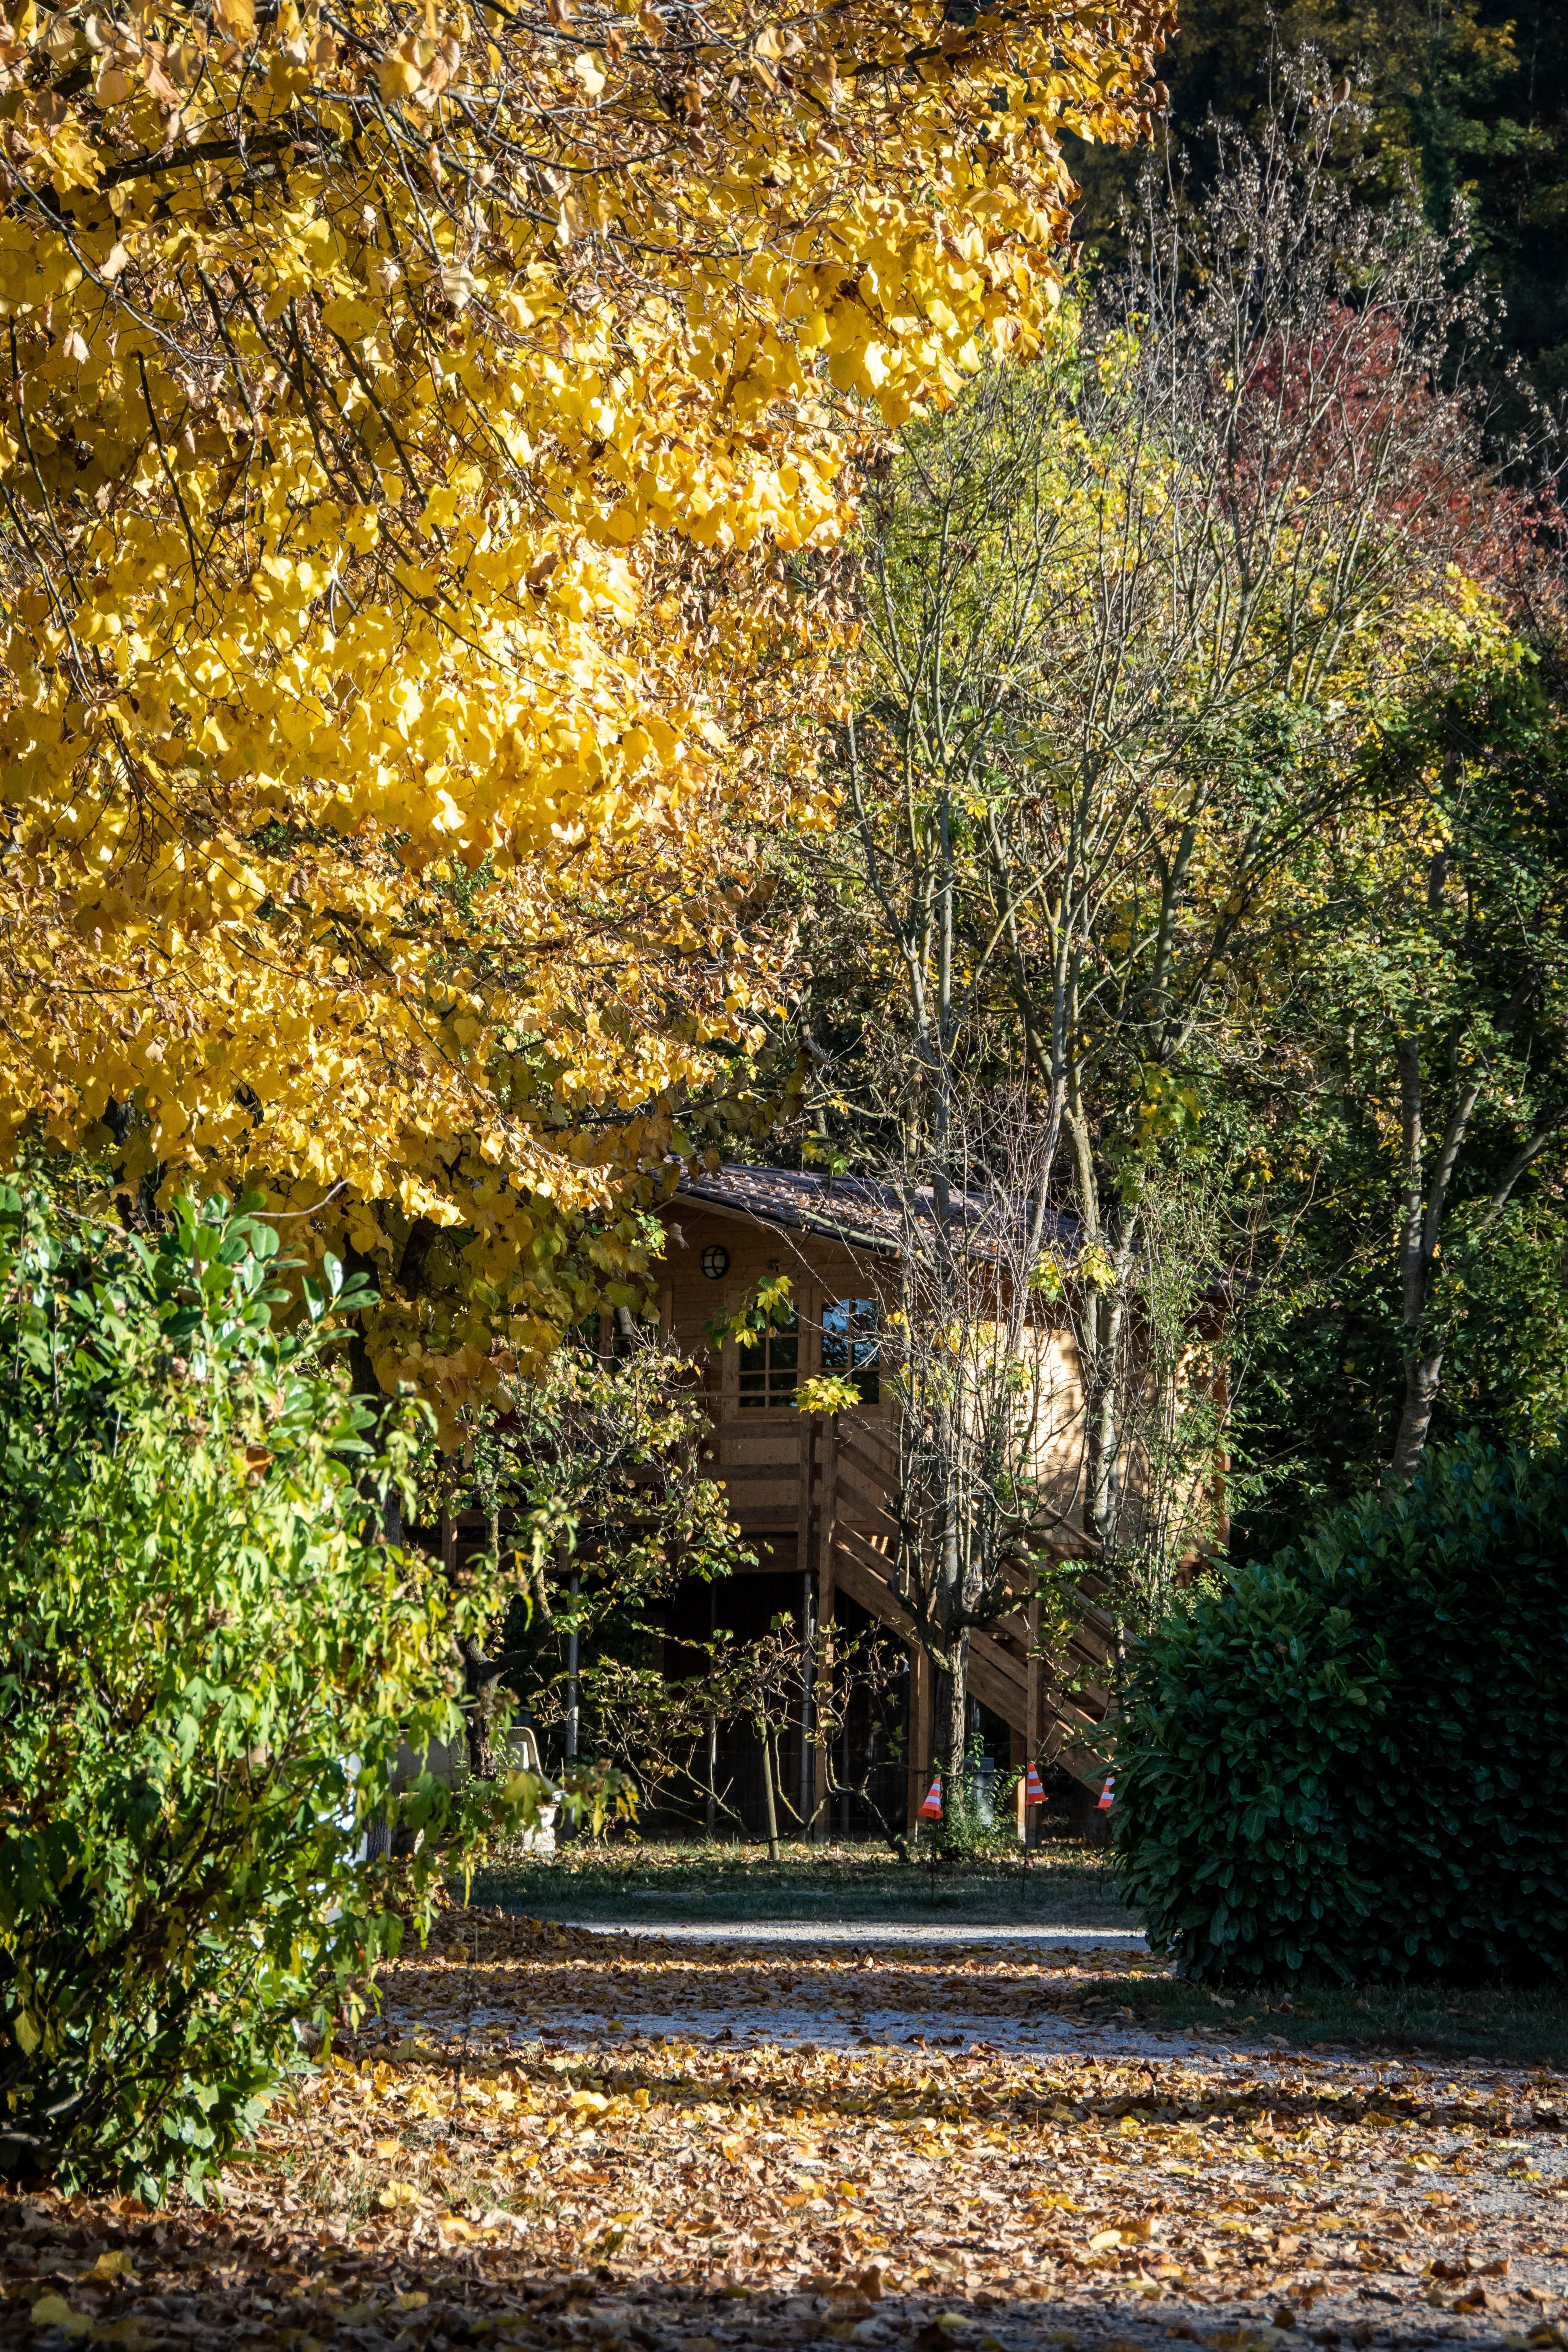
(715, 1261)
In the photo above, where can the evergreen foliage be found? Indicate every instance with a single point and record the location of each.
(1353, 1762)
(1436, 922)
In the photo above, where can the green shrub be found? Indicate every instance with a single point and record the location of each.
(1354, 1763)
(204, 1629)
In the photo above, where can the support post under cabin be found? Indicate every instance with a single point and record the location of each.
(807, 1646)
(826, 1537)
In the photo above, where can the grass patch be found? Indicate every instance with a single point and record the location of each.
(1496, 2026)
(1066, 1884)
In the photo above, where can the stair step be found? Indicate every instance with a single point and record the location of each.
(864, 1540)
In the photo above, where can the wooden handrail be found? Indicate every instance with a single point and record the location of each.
(876, 1562)
(850, 1452)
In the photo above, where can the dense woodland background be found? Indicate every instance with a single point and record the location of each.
(1469, 99)
(1464, 109)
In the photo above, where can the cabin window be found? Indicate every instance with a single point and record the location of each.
(613, 1334)
(849, 1344)
(770, 1369)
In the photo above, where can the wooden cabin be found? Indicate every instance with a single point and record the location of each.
(809, 1491)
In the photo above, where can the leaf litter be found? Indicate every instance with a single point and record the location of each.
(452, 2177)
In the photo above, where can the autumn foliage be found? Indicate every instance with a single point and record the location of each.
(430, 434)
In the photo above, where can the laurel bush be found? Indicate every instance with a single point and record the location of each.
(1352, 1763)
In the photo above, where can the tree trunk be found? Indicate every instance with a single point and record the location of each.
(1103, 1501)
(362, 1371)
(479, 1689)
(712, 1813)
(1422, 1375)
(1100, 1331)
(808, 1686)
(1420, 1233)
(952, 1726)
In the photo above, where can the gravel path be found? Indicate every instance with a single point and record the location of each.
(905, 2106)
(943, 1988)
(809, 1933)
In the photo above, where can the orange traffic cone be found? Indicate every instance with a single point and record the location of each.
(931, 1810)
(1106, 1796)
(1034, 1793)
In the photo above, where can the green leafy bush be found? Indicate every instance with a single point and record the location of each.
(1354, 1763)
(210, 1658)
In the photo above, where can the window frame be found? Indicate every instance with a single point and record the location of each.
(755, 1363)
(865, 1370)
(736, 1359)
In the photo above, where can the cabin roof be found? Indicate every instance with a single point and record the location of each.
(856, 1211)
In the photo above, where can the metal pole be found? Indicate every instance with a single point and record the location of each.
(807, 1679)
(712, 1728)
(572, 1673)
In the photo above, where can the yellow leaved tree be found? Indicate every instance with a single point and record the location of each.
(429, 433)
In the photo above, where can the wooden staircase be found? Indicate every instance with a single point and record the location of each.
(835, 1494)
(1047, 1704)
(827, 1483)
